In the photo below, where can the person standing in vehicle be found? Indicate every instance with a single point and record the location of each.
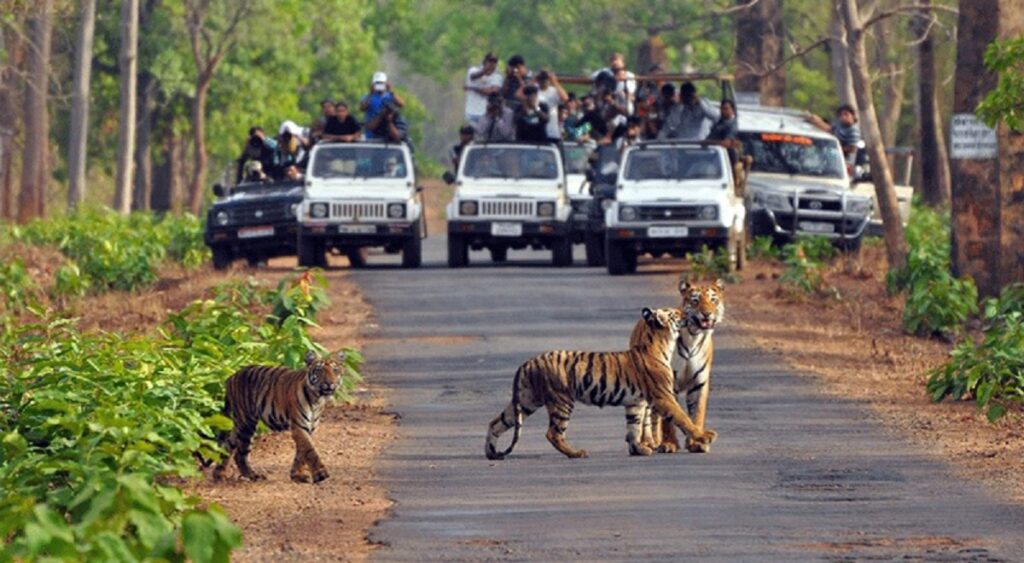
(725, 132)
(466, 133)
(341, 126)
(498, 124)
(389, 125)
(316, 130)
(625, 81)
(481, 81)
(515, 81)
(260, 148)
(845, 129)
(553, 95)
(379, 95)
(532, 117)
(690, 119)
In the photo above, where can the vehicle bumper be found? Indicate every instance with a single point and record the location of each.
(248, 238)
(359, 234)
(789, 224)
(640, 239)
(533, 233)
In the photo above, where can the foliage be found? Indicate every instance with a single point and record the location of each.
(992, 371)
(710, 265)
(17, 288)
(937, 303)
(95, 427)
(805, 260)
(764, 247)
(1005, 103)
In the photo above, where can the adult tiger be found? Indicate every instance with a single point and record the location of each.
(283, 399)
(703, 308)
(639, 378)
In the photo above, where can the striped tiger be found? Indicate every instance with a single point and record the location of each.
(283, 399)
(703, 307)
(637, 378)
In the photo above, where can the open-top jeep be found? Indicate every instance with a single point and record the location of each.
(360, 195)
(252, 220)
(509, 195)
(673, 198)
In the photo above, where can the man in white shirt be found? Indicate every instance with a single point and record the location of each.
(625, 81)
(552, 94)
(481, 81)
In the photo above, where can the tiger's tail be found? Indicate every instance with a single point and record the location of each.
(501, 424)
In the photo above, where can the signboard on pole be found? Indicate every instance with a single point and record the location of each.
(970, 138)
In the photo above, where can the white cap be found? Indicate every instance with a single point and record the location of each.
(379, 77)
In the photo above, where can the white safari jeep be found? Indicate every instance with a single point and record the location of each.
(509, 195)
(360, 195)
(672, 198)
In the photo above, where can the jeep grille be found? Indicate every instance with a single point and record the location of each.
(667, 212)
(257, 213)
(507, 208)
(358, 211)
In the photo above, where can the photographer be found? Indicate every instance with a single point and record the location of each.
(260, 149)
(388, 125)
(498, 124)
(481, 81)
(532, 117)
(690, 119)
(380, 94)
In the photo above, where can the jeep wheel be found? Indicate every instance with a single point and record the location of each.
(620, 260)
(458, 252)
(561, 252)
(311, 253)
(499, 254)
(412, 250)
(357, 257)
(594, 245)
(222, 257)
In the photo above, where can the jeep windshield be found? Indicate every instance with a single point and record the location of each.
(799, 155)
(280, 185)
(511, 163)
(359, 162)
(673, 163)
(577, 159)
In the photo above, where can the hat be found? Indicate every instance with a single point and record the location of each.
(530, 89)
(379, 77)
(466, 130)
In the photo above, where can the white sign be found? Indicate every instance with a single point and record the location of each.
(748, 98)
(969, 138)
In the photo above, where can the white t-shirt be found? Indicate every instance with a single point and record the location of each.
(551, 98)
(476, 103)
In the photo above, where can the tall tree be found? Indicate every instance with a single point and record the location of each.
(759, 40)
(885, 189)
(935, 175)
(839, 55)
(77, 151)
(13, 46)
(34, 166)
(213, 28)
(128, 60)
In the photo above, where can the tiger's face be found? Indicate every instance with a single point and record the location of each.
(322, 375)
(664, 323)
(703, 305)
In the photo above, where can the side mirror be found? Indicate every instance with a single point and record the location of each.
(419, 189)
(219, 190)
(448, 177)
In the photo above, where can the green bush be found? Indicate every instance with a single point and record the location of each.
(937, 303)
(19, 290)
(710, 265)
(805, 261)
(95, 428)
(764, 247)
(992, 370)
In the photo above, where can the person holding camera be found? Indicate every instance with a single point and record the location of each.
(341, 127)
(388, 125)
(498, 124)
(380, 95)
(690, 119)
(532, 117)
(481, 81)
(516, 78)
(258, 148)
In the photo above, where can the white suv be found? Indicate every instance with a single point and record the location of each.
(509, 195)
(360, 195)
(673, 198)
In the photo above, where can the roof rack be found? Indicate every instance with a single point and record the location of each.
(670, 76)
(757, 108)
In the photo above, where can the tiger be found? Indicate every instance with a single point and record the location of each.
(283, 399)
(639, 378)
(703, 307)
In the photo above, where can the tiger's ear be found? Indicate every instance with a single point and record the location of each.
(310, 357)
(651, 317)
(684, 286)
(720, 284)
(340, 357)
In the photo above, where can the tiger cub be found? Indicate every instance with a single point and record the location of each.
(639, 378)
(703, 307)
(283, 399)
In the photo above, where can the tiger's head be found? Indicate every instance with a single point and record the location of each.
(323, 375)
(659, 327)
(703, 305)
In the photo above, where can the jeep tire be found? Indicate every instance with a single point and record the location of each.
(357, 257)
(499, 254)
(620, 259)
(412, 249)
(458, 252)
(222, 256)
(594, 245)
(311, 253)
(561, 252)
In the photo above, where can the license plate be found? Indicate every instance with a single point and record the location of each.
(255, 232)
(813, 227)
(357, 229)
(506, 229)
(667, 232)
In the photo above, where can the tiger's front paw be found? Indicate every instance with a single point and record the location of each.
(254, 476)
(668, 448)
(320, 475)
(300, 477)
(640, 449)
(702, 443)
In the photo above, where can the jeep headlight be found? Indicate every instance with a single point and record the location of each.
(467, 207)
(773, 201)
(396, 210)
(859, 206)
(291, 210)
(709, 212)
(627, 214)
(222, 218)
(318, 210)
(606, 204)
(546, 209)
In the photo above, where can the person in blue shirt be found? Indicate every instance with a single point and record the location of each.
(380, 95)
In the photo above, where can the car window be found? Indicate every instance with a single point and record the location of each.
(359, 162)
(673, 163)
(511, 163)
(577, 159)
(793, 154)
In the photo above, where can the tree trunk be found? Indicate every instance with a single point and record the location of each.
(142, 199)
(934, 160)
(651, 52)
(77, 151)
(885, 190)
(127, 114)
(179, 174)
(32, 198)
(839, 56)
(13, 46)
(199, 162)
(759, 48)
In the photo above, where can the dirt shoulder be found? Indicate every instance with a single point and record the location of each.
(856, 348)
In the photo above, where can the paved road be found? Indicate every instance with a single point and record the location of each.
(794, 474)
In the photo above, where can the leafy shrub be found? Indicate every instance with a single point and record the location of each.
(764, 247)
(937, 303)
(95, 428)
(17, 286)
(184, 235)
(710, 265)
(69, 281)
(992, 371)
(805, 264)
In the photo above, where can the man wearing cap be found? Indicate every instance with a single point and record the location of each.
(380, 94)
(466, 133)
(481, 81)
(532, 117)
(552, 94)
(625, 81)
(498, 124)
(690, 119)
